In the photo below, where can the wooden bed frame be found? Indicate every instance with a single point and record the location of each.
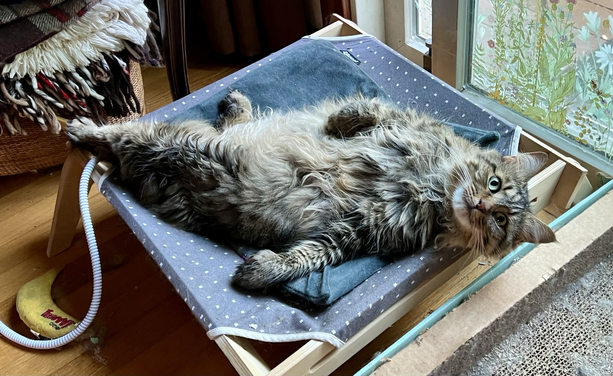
(553, 190)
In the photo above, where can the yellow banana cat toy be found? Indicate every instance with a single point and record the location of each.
(39, 312)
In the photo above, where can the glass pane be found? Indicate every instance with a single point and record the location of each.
(551, 60)
(424, 18)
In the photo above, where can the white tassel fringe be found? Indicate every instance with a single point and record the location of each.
(102, 29)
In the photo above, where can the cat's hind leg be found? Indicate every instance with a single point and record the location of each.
(234, 108)
(359, 116)
(267, 268)
(115, 141)
(161, 159)
(183, 172)
(85, 134)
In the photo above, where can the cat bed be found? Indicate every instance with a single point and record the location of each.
(201, 267)
(267, 88)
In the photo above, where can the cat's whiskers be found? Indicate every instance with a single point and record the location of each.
(458, 169)
(478, 237)
(499, 253)
(471, 255)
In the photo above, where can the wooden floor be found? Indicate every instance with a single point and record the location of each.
(143, 327)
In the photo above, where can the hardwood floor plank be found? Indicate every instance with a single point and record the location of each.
(181, 346)
(134, 339)
(34, 223)
(10, 184)
(210, 361)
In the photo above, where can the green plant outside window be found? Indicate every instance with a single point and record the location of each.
(551, 62)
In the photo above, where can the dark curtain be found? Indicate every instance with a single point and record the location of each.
(252, 27)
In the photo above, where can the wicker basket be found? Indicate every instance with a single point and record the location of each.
(40, 149)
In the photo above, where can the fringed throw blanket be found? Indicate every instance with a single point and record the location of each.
(23, 24)
(81, 69)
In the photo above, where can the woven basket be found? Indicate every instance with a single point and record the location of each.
(40, 149)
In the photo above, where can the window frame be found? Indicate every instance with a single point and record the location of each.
(400, 37)
(415, 14)
(386, 20)
(411, 34)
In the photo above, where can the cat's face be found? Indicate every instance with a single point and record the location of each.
(491, 205)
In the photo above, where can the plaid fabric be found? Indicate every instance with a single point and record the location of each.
(26, 23)
(47, 80)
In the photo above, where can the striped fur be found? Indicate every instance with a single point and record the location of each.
(324, 184)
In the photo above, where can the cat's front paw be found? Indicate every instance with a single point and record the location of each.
(258, 272)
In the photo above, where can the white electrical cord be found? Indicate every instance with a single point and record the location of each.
(97, 271)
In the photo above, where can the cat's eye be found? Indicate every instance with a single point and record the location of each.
(494, 184)
(501, 219)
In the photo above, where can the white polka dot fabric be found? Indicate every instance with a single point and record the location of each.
(201, 269)
(408, 85)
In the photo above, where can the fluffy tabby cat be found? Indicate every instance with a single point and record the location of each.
(322, 185)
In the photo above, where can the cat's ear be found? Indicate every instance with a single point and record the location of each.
(530, 163)
(535, 231)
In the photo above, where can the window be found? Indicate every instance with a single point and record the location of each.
(550, 61)
(404, 25)
(417, 24)
(422, 23)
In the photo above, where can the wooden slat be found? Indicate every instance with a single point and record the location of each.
(67, 203)
(572, 178)
(542, 186)
(388, 318)
(340, 27)
(242, 355)
(582, 190)
(300, 362)
(332, 30)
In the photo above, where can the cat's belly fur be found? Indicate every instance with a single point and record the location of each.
(294, 180)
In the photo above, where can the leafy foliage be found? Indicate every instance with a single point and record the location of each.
(526, 58)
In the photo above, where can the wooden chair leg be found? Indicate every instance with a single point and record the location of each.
(67, 213)
(172, 25)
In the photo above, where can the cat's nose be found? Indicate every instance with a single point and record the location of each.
(480, 206)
